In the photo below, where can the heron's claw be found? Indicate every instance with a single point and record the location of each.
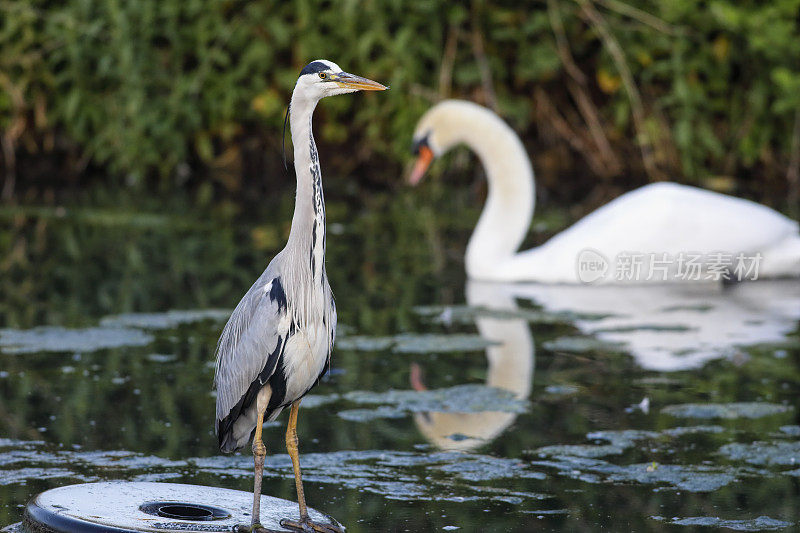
(255, 528)
(309, 526)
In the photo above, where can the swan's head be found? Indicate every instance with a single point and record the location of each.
(322, 78)
(443, 126)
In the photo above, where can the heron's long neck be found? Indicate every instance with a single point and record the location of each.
(507, 214)
(307, 237)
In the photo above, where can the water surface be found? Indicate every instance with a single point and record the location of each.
(449, 405)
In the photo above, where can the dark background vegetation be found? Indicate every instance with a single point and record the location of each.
(166, 96)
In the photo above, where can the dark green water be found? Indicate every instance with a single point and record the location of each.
(449, 406)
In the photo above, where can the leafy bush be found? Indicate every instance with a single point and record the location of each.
(669, 90)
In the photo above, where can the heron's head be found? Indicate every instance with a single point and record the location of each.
(443, 126)
(322, 78)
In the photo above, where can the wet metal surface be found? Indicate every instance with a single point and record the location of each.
(154, 507)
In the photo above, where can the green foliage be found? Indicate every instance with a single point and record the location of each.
(159, 88)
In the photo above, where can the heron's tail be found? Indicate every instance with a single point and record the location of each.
(236, 433)
(236, 429)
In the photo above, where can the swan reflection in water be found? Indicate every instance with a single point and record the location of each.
(664, 328)
(510, 367)
(675, 327)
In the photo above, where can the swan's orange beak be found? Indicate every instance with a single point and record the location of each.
(424, 159)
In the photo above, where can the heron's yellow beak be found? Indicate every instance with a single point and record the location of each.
(352, 81)
(424, 159)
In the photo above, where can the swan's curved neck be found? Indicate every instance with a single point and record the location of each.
(507, 214)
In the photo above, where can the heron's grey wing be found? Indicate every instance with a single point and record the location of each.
(333, 318)
(248, 350)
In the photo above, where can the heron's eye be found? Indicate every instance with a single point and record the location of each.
(322, 75)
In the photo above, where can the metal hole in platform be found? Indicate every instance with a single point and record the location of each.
(184, 511)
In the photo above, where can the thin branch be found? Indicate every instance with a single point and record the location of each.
(634, 97)
(416, 89)
(9, 137)
(742, 131)
(10, 181)
(592, 118)
(483, 63)
(793, 172)
(551, 116)
(448, 61)
(637, 14)
(577, 89)
(562, 44)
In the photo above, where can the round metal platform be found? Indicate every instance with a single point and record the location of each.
(118, 506)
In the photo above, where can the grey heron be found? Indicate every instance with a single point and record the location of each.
(277, 343)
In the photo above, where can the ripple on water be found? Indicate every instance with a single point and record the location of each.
(762, 523)
(725, 410)
(691, 478)
(363, 343)
(22, 475)
(777, 453)
(458, 399)
(465, 314)
(618, 442)
(581, 345)
(408, 476)
(562, 390)
(315, 400)
(487, 468)
(583, 462)
(57, 339)
(692, 430)
(416, 343)
(166, 320)
(162, 358)
(15, 466)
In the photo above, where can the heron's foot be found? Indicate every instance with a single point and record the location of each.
(255, 528)
(306, 525)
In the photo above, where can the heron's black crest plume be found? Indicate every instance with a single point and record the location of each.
(314, 67)
(283, 140)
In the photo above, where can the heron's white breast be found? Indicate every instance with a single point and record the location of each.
(303, 361)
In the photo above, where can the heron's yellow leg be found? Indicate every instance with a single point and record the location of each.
(259, 452)
(305, 523)
(291, 447)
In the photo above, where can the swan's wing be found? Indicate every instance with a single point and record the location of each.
(673, 218)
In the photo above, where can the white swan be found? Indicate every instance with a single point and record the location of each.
(662, 218)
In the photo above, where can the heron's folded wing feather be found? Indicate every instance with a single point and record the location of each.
(249, 345)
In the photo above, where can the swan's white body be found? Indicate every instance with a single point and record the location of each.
(661, 218)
